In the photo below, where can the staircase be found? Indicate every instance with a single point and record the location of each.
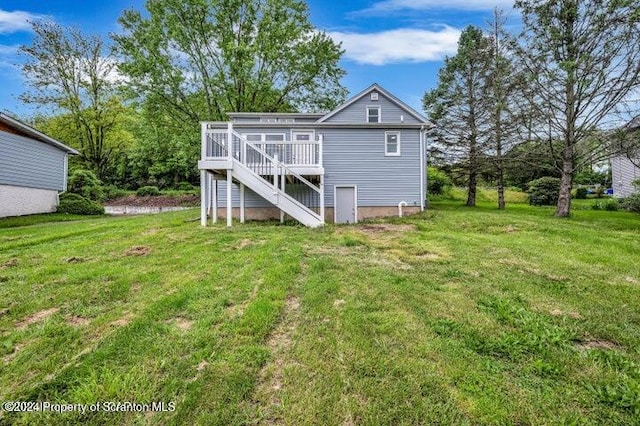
(268, 169)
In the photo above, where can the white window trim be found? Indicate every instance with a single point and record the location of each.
(379, 112)
(311, 131)
(391, 154)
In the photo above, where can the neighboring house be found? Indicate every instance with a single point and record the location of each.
(33, 169)
(626, 169)
(363, 159)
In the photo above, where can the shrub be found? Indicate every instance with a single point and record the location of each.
(85, 183)
(184, 186)
(76, 204)
(438, 182)
(610, 205)
(581, 193)
(544, 191)
(148, 190)
(631, 203)
(111, 191)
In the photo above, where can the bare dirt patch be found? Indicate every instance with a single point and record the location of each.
(37, 317)
(559, 313)
(75, 259)
(270, 378)
(156, 201)
(597, 344)
(243, 243)
(339, 303)
(151, 231)
(9, 263)
(510, 228)
(374, 228)
(631, 280)
(125, 320)
(77, 321)
(138, 251)
(181, 323)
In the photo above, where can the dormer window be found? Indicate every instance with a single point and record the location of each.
(373, 114)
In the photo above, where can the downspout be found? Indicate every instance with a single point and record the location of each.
(423, 165)
(65, 179)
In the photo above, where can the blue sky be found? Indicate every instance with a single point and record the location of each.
(399, 44)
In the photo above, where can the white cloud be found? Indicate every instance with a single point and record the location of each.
(18, 20)
(400, 45)
(386, 6)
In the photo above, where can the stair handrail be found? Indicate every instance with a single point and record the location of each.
(275, 162)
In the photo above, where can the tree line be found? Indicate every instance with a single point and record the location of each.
(561, 87)
(539, 101)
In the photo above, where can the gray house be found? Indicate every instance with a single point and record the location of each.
(364, 159)
(33, 169)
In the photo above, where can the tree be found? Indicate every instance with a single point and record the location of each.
(504, 89)
(583, 58)
(74, 74)
(456, 106)
(197, 60)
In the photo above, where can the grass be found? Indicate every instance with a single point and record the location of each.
(454, 316)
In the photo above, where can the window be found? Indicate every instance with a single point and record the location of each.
(373, 114)
(374, 96)
(392, 143)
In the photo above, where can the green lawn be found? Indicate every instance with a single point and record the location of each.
(454, 316)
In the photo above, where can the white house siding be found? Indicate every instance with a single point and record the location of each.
(623, 172)
(20, 200)
(29, 163)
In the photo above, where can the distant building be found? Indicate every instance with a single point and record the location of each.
(625, 170)
(33, 169)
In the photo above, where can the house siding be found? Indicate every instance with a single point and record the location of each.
(356, 157)
(29, 163)
(623, 173)
(356, 113)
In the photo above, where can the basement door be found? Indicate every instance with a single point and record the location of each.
(345, 204)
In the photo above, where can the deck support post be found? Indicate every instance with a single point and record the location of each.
(320, 162)
(242, 203)
(229, 200)
(214, 198)
(284, 179)
(203, 197)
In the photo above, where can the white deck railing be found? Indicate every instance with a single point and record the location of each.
(274, 162)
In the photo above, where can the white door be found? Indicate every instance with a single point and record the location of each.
(303, 151)
(345, 204)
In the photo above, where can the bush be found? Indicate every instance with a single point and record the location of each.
(544, 191)
(148, 190)
(111, 191)
(610, 205)
(184, 186)
(76, 204)
(85, 183)
(631, 203)
(438, 182)
(581, 193)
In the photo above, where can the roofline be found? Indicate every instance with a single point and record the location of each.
(36, 134)
(277, 114)
(380, 89)
(318, 125)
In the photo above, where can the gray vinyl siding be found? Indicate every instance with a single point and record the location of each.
(356, 113)
(356, 157)
(30, 163)
(623, 173)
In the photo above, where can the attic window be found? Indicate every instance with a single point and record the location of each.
(373, 114)
(374, 96)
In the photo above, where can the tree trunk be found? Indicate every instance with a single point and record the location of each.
(566, 182)
(473, 184)
(501, 203)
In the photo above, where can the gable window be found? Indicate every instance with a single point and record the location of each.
(391, 144)
(373, 114)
